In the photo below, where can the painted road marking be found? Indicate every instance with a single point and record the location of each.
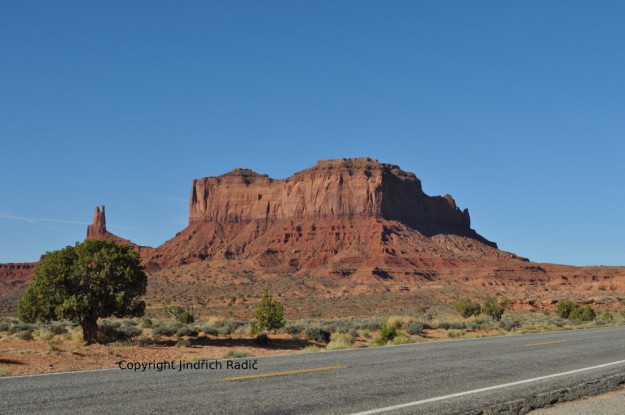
(490, 388)
(290, 372)
(545, 343)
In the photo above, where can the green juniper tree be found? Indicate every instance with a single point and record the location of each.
(85, 282)
(270, 313)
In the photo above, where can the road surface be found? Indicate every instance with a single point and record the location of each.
(461, 376)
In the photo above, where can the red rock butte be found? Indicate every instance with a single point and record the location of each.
(345, 188)
(341, 216)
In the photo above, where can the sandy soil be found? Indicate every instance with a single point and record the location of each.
(20, 357)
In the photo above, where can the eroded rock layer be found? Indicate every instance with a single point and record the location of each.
(339, 217)
(332, 189)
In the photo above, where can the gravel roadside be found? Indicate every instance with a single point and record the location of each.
(611, 403)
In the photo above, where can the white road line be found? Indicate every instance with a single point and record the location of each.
(490, 388)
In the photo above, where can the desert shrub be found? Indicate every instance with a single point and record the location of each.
(211, 331)
(43, 334)
(236, 354)
(4, 326)
(183, 343)
(186, 331)
(293, 329)
(262, 339)
(244, 329)
(415, 328)
(340, 341)
(318, 334)
(215, 321)
(110, 331)
(146, 322)
(509, 325)
(558, 322)
(143, 341)
(457, 325)
(386, 335)
(472, 325)
(25, 335)
(585, 313)
(494, 307)
(453, 333)
(57, 328)
(607, 316)
(186, 318)
(482, 324)
(173, 311)
(572, 311)
(467, 307)
(224, 330)
(5, 372)
(128, 332)
(20, 327)
(442, 325)
(236, 324)
(76, 336)
(230, 327)
(398, 322)
(165, 330)
(253, 328)
(270, 313)
(565, 308)
(369, 325)
(400, 339)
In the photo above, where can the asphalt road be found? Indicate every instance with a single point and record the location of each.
(463, 376)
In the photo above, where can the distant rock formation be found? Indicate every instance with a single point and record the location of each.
(332, 189)
(341, 217)
(98, 228)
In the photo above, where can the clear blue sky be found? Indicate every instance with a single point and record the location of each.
(517, 109)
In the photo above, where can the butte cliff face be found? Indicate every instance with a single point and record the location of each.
(332, 189)
(346, 188)
(343, 217)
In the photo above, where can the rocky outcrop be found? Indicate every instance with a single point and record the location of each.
(345, 216)
(16, 272)
(332, 189)
(98, 228)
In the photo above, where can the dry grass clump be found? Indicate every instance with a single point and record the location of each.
(397, 322)
(454, 333)
(236, 354)
(214, 321)
(43, 334)
(340, 341)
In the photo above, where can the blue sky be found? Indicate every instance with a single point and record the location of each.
(517, 109)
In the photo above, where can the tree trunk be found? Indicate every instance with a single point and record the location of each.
(90, 329)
